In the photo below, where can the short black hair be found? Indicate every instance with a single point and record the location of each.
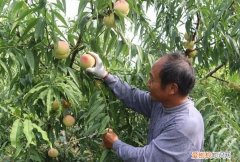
(178, 69)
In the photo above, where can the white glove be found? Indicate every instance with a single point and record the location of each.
(98, 70)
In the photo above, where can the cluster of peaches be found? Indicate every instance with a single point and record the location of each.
(68, 121)
(121, 8)
(62, 51)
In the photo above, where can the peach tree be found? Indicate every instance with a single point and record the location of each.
(52, 110)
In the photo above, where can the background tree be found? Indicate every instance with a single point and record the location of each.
(33, 78)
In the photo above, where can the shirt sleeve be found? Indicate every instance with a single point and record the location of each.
(170, 146)
(138, 100)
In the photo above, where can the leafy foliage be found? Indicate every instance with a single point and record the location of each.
(219, 106)
(32, 78)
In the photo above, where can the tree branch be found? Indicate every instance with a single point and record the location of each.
(74, 55)
(214, 70)
(197, 26)
(75, 50)
(219, 79)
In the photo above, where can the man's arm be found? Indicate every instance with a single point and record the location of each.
(170, 146)
(138, 100)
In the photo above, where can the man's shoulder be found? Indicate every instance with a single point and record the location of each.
(191, 125)
(189, 118)
(190, 113)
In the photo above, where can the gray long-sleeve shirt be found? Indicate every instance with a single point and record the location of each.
(174, 133)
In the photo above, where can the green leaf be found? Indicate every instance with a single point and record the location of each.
(233, 142)
(39, 28)
(81, 7)
(221, 131)
(95, 114)
(150, 59)
(64, 6)
(15, 133)
(26, 12)
(111, 44)
(233, 44)
(6, 69)
(2, 4)
(41, 96)
(36, 89)
(19, 149)
(73, 76)
(49, 101)
(74, 85)
(20, 57)
(140, 58)
(104, 124)
(199, 101)
(16, 6)
(43, 133)
(31, 23)
(60, 6)
(71, 92)
(30, 59)
(227, 141)
(59, 16)
(27, 130)
(95, 106)
(104, 155)
(35, 157)
(216, 126)
(14, 26)
(93, 99)
(92, 129)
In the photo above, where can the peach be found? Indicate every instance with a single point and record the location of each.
(61, 50)
(55, 105)
(193, 53)
(122, 7)
(52, 152)
(68, 120)
(66, 103)
(87, 60)
(109, 20)
(189, 44)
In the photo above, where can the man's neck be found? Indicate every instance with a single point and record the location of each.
(175, 101)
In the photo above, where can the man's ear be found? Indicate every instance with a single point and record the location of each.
(173, 88)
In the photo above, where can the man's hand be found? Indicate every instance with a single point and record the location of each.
(109, 138)
(98, 70)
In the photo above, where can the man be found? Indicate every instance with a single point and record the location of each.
(176, 128)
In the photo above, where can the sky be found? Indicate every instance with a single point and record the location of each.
(71, 8)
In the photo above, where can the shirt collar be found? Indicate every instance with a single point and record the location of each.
(179, 107)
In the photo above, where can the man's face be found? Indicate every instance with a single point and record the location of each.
(158, 92)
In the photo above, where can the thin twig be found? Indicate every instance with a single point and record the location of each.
(75, 50)
(219, 79)
(74, 54)
(197, 26)
(214, 70)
